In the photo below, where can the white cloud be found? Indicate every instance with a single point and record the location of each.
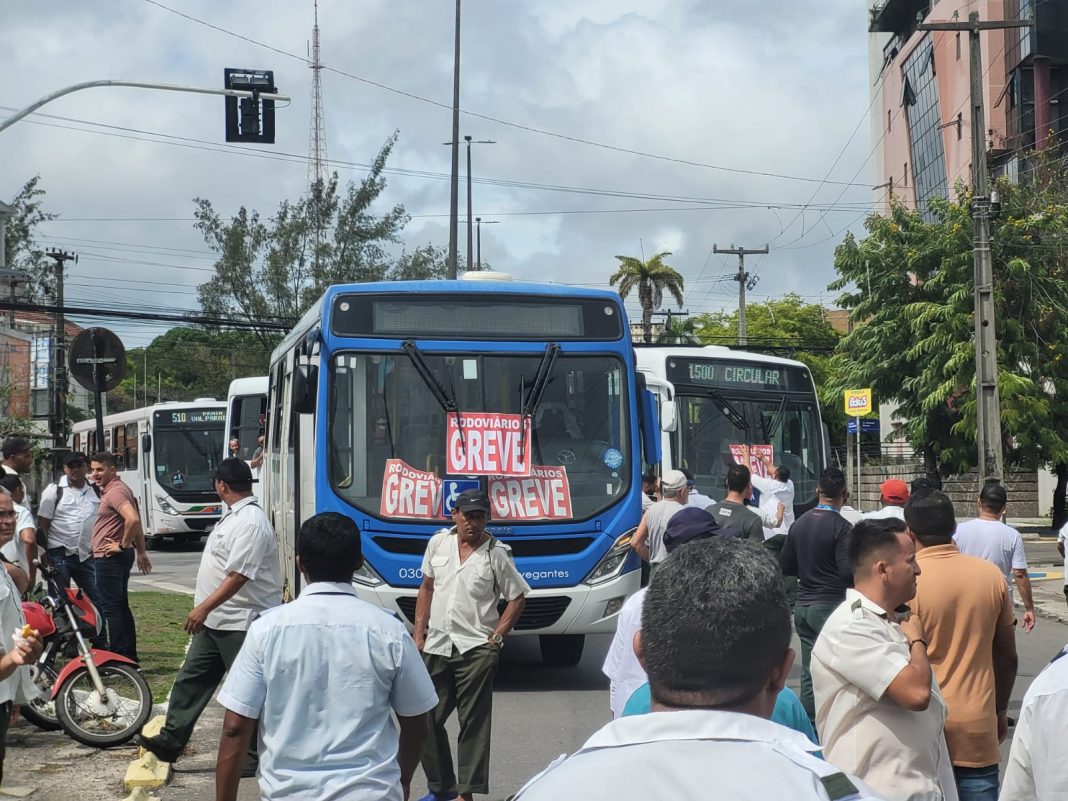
(769, 85)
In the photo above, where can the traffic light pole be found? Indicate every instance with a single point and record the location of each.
(166, 87)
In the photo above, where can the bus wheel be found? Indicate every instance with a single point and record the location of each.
(561, 650)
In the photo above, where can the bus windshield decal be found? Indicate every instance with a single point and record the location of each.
(488, 444)
(543, 495)
(759, 455)
(408, 492)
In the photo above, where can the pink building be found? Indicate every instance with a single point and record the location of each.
(921, 126)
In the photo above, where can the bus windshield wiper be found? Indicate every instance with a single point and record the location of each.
(776, 421)
(729, 411)
(446, 401)
(537, 388)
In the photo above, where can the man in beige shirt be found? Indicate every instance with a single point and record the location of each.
(963, 605)
(878, 709)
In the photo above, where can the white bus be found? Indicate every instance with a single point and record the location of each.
(712, 398)
(246, 420)
(167, 455)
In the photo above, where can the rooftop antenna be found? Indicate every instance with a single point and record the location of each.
(316, 145)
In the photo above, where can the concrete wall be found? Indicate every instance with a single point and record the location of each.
(1022, 487)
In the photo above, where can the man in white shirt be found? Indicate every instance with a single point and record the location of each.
(695, 497)
(778, 489)
(621, 664)
(239, 578)
(1036, 769)
(878, 709)
(1062, 535)
(466, 571)
(715, 641)
(17, 455)
(893, 495)
(648, 540)
(320, 679)
(21, 550)
(15, 681)
(989, 538)
(65, 517)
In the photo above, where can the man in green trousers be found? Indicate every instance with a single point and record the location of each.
(239, 577)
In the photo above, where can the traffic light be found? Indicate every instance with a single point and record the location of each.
(250, 119)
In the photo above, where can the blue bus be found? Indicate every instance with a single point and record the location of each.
(388, 399)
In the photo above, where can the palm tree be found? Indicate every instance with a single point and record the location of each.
(679, 331)
(652, 278)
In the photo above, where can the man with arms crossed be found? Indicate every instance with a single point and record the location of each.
(117, 535)
(323, 676)
(878, 708)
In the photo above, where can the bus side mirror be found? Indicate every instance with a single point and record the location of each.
(669, 416)
(146, 443)
(305, 377)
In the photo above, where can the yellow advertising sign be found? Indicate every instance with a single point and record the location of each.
(858, 402)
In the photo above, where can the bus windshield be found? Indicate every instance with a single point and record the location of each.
(710, 422)
(186, 458)
(384, 410)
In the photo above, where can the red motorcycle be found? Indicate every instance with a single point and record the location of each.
(98, 697)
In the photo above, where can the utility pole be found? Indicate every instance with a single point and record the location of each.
(478, 234)
(988, 405)
(454, 199)
(58, 403)
(470, 247)
(316, 146)
(743, 279)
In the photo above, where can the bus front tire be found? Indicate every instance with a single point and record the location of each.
(561, 650)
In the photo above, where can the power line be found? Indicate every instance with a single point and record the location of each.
(281, 324)
(519, 126)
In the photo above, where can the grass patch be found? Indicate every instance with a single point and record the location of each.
(160, 639)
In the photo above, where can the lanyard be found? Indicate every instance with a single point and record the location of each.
(826, 506)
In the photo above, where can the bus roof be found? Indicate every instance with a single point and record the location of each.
(253, 385)
(652, 358)
(459, 286)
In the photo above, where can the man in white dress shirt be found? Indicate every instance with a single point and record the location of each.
(320, 679)
(715, 642)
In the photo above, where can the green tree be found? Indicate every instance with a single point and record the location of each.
(790, 327)
(19, 238)
(652, 279)
(679, 331)
(274, 270)
(188, 363)
(422, 264)
(908, 287)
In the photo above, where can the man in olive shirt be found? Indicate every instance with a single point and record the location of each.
(817, 552)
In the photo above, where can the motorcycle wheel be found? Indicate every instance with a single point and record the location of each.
(104, 722)
(42, 712)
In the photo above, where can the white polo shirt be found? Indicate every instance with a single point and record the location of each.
(71, 526)
(323, 675)
(695, 754)
(772, 493)
(1037, 769)
(463, 610)
(15, 550)
(899, 752)
(621, 664)
(241, 542)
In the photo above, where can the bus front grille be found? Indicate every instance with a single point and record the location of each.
(538, 613)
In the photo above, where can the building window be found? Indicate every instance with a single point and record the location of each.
(924, 127)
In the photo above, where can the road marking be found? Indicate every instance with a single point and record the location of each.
(166, 586)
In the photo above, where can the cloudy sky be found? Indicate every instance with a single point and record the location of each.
(621, 127)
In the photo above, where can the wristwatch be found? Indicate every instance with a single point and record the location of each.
(497, 640)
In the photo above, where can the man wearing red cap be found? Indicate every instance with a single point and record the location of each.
(893, 493)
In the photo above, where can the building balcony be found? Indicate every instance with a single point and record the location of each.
(898, 16)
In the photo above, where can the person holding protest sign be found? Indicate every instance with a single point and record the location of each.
(460, 634)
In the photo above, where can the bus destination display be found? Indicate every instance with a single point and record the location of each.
(192, 417)
(738, 375)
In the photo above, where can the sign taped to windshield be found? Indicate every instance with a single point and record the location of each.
(757, 455)
(543, 495)
(407, 492)
(487, 444)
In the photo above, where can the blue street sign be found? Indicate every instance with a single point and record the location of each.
(450, 491)
(866, 426)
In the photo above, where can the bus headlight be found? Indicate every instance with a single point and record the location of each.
(166, 506)
(367, 577)
(612, 564)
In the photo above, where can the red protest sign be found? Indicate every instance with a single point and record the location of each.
(757, 455)
(407, 492)
(487, 444)
(543, 495)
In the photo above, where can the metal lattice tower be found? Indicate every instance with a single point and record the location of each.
(317, 134)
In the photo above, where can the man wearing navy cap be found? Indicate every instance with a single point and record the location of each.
(460, 633)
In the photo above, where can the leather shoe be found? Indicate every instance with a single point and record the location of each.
(164, 753)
